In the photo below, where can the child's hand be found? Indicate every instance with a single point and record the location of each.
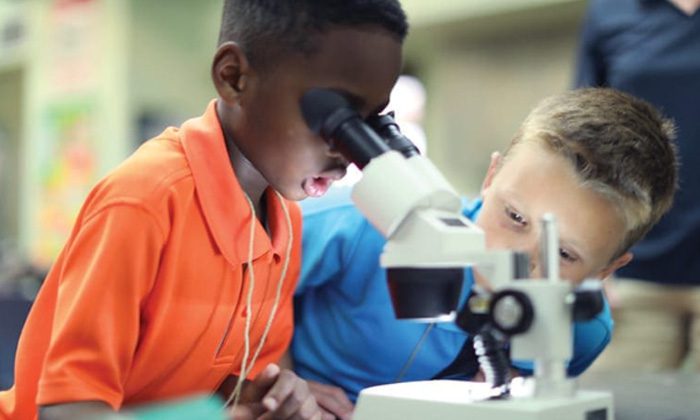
(276, 394)
(332, 400)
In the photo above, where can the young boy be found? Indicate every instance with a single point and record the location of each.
(603, 162)
(179, 274)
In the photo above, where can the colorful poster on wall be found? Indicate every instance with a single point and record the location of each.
(68, 171)
(66, 149)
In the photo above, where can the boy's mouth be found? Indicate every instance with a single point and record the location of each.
(316, 186)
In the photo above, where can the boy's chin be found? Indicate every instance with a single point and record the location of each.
(293, 194)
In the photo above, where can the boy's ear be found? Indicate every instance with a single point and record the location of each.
(229, 71)
(494, 165)
(616, 264)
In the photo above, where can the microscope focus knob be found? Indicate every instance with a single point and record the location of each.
(588, 304)
(511, 312)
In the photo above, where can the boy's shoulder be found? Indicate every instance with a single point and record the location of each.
(156, 164)
(157, 167)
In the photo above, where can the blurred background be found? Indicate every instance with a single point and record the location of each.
(84, 82)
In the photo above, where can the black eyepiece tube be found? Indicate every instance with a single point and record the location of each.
(388, 129)
(330, 115)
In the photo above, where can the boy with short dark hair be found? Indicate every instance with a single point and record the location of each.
(178, 275)
(601, 161)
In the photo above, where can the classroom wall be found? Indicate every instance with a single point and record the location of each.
(171, 45)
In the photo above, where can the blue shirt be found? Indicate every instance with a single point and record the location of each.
(651, 49)
(346, 333)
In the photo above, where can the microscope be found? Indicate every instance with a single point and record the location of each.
(429, 244)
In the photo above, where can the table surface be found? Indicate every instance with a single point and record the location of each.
(649, 396)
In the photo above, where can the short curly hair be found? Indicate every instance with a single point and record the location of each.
(269, 29)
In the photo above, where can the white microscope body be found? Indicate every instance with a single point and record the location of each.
(424, 228)
(429, 243)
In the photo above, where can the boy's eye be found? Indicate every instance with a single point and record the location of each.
(566, 255)
(516, 217)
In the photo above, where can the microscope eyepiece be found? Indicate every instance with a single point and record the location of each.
(385, 125)
(324, 110)
(330, 115)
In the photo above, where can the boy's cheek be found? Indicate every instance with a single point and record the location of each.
(484, 221)
(496, 235)
(573, 276)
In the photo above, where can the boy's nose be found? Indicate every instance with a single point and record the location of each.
(533, 251)
(530, 245)
(536, 269)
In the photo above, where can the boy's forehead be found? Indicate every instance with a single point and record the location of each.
(531, 153)
(361, 61)
(539, 177)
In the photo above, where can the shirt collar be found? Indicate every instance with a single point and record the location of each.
(223, 201)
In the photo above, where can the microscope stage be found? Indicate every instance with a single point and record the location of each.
(453, 400)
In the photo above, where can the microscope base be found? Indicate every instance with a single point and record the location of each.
(453, 400)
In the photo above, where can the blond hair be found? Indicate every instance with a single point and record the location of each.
(620, 146)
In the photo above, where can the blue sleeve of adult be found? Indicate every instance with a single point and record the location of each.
(332, 226)
(590, 339)
(590, 65)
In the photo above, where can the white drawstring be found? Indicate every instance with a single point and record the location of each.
(245, 369)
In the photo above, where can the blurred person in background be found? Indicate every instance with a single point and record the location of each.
(651, 49)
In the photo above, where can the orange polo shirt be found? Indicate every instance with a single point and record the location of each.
(147, 300)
